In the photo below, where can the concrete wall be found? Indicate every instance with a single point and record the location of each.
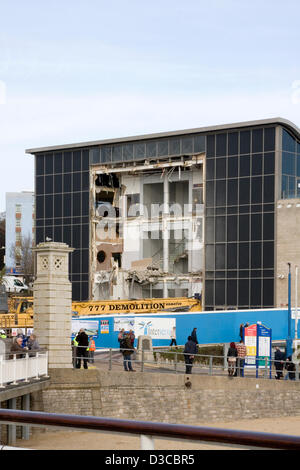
(151, 396)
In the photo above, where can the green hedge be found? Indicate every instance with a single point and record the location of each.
(170, 354)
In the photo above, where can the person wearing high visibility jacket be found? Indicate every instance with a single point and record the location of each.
(2, 334)
(91, 349)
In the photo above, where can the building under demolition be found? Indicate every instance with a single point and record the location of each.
(177, 213)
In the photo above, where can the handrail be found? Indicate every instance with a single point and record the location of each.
(154, 429)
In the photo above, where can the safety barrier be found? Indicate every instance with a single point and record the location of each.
(150, 430)
(22, 367)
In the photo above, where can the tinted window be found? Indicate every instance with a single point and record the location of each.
(245, 141)
(245, 165)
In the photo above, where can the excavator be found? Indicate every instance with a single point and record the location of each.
(20, 310)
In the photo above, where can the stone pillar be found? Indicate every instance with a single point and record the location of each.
(52, 294)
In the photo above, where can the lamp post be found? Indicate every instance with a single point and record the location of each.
(289, 341)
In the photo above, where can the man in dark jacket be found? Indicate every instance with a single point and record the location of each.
(279, 358)
(81, 350)
(127, 350)
(190, 349)
(194, 335)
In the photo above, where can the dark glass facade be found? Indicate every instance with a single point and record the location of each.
(239, 236)
(62, 209)
(290, 166)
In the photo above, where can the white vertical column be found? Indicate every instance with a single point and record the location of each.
(165, 231)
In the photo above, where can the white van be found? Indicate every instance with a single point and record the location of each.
(14, 284)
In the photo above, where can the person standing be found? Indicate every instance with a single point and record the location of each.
(190, 349)
(132, 337)
(127, 350)
(194, 336)
(231, 359)
(291, 368)
(173, 336)
(121, 336)
(242, 353)
(83, 343)
(279, 358)
(33, 344)
(91, 349)
(17, 348)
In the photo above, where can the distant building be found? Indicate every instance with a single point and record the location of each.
(19, 224)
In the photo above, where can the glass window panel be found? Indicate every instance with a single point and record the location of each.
(39, 235)
(232, 292)
(292, 187)
(151, 149)
(85, 160)
(220, 256)
(58, 205)
(268, 189)
(85, 235)
(85, 203)
(76, 265)
(244, 190)
(85, 182)
(256, 190)
(244, 227)
(199, 143)
(58, 162)
(49, 207)
(268, 226)
(39, 185)
(232, 192)
(257, 140)
(174, 145)
(298, 165)
(57, 234)
(128, 152)
(77, 160)
(285, 185)
(67, 235)
(106, 153)
(76, 292)
(209, 292)
(210, 257)
(49, 164)
(243, 255)
(76, 237)
(220, 293)
(231, 255)
(245, 141)
(39, 210)
(67, 205)
(67, 183)
(221, 145)
(255, 255)
(139, 150)
(210, 143)
(233, 143)
(162, 148)
(257, 161)
(76, 204)
(243, 292)
(268, 255)
(67, 162)
(268, 293)
(210, 229)
(255, 292)
(48, 232)
(256, 227)
(232, 228)
(245, 165)
(85, 259)
(58, 183)
(210, 197)
(187, 144)
(76, 177)
(221, 193)
(210, 169)
(233, 167)
(269, 139)
(220, 168)
(95, 156)
(288, 142)
(39, 168)
(220, 229)
(269, 163)
(49, 184)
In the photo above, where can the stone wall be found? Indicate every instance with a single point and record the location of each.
(165, 397)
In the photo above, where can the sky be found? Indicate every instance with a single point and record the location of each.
(74, 71)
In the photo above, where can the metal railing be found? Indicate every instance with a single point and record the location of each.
(150, 430)
(202, 364)
(21, 367)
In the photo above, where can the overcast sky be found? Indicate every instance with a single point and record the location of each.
(74, 71)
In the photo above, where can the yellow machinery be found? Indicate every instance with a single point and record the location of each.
(20, 309)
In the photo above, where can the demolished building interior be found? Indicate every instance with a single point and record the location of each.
(147, 229)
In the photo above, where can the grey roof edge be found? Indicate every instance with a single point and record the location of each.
(276, 121)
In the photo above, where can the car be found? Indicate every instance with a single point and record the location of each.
(14, 284)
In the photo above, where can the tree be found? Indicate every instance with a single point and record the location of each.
(23, 257)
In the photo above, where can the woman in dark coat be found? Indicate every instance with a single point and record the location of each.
(190, 349)
(231, 359)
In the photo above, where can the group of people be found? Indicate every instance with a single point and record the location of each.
(22, 344)
(126, 341)
(85, 349)
(236, 357)
(281, 363)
